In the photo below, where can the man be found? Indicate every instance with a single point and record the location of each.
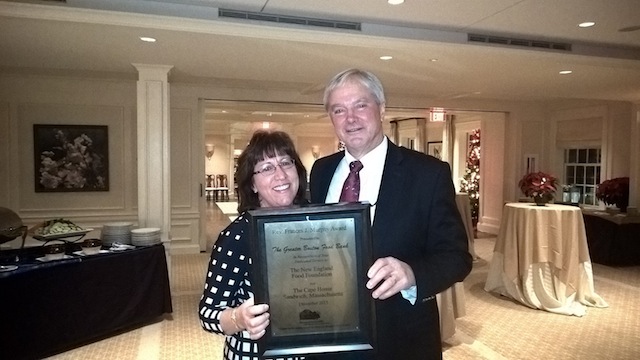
(419, 241)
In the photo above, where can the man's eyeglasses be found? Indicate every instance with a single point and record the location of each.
(270, 169)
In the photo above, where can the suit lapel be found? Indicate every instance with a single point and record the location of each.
(389, 201)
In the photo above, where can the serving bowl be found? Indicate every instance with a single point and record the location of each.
(91, 246)
(54, 251)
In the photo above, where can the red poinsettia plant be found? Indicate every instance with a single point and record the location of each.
(614, 192)
(538, 185)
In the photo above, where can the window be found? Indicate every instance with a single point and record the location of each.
(582, 169)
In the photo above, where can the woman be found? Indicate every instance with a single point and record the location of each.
(270, 174)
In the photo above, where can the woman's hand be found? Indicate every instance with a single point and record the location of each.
(390, 275)
(253, 318)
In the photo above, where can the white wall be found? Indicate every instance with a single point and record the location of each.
(51, 100)
(28, 99)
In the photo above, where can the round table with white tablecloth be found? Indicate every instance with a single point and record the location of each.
(451, 302)
(541, 259)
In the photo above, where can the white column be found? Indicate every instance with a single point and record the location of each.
(154, 185)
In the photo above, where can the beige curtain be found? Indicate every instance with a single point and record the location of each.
(448, 139)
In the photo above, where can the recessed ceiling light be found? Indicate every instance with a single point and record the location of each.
(586, 24)
(147, 39)
(433, 60)
(565, 72)
(395, 2)
(386, 57)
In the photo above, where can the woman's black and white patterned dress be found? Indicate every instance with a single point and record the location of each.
(228, 285)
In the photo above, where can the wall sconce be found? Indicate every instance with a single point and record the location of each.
(315, 151)
(210, 148)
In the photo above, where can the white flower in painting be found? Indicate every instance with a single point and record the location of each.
(72, 164)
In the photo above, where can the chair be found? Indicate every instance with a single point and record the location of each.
(210, 186)
(221, 181)
(222, 188)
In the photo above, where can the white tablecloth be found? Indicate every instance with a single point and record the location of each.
(464, 206)
(451, 302)
(541, 259)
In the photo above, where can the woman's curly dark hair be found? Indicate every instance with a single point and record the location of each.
(263, 145)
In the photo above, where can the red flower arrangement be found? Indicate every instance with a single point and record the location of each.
(614, 192)
(538, 185)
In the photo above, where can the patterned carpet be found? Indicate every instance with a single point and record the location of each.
(493, 328)
(497, 328)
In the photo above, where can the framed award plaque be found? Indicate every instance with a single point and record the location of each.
(310, 265)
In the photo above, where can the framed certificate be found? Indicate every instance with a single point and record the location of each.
(310, 265)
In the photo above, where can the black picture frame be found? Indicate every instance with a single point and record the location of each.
(69, 158)
(310, 265)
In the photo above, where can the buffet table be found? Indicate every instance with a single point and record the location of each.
(541, 259)
(614, 239)
(53, 306)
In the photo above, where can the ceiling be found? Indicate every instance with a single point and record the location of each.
(101, 38)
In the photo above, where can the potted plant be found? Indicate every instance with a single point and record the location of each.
(614, 192)
(538, 185)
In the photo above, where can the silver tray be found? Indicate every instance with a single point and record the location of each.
(61, 235)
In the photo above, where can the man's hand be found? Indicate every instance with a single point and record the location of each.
(390, 275)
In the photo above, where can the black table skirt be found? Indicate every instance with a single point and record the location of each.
(52, 307)
(612, 244)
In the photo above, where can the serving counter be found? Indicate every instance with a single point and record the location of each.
(613, 240)
(53, 306)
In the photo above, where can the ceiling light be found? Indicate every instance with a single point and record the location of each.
(586, 24)
(395, 2)
(147, 39)
(386, 57)
(565, 72)
(433, 60)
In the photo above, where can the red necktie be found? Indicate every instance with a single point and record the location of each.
(351, 187)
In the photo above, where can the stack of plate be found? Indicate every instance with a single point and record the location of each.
(145, 236)
(116, 232)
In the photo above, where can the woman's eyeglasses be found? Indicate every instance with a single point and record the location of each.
(270, 169)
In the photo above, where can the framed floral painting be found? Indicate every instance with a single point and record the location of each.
(71, 158)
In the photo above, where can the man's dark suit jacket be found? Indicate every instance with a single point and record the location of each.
(416, 221)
